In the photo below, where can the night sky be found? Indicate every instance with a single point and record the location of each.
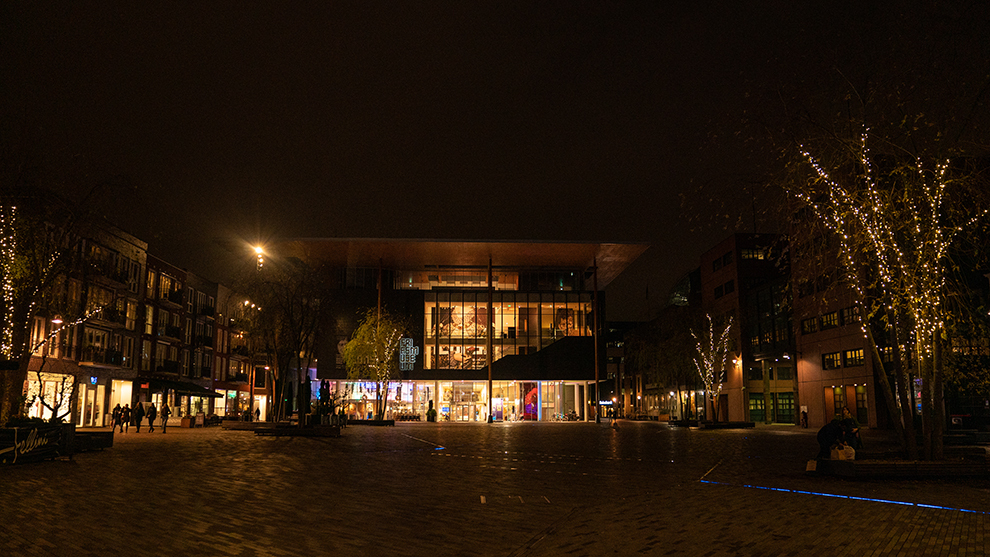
(237, 122)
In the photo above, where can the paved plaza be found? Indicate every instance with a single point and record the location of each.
(514, 489)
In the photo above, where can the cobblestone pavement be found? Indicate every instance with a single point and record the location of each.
(515, 489)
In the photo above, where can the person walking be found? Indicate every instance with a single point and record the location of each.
(152, 414)
(138, 415)
(166, 412)
(125, 418)
(115, 419)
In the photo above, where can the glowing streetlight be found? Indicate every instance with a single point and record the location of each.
(260, 253)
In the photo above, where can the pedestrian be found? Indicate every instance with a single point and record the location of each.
(138, 415)
(165, 414)
(830, 434)
(152, 414)
(125, 418)
(115, 419)
(257, 414)
(851, 426)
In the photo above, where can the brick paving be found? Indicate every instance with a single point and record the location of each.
(571, 489)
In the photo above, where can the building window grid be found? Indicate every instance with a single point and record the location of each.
(523, 323)
(832, 360)
(853, 358)
(830, 320)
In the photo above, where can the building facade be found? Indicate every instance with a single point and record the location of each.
(520, 313)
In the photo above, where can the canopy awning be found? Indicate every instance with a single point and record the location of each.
(180, 387)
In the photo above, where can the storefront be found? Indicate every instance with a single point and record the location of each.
(466, 401)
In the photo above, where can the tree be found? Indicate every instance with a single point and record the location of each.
(40, 237)
(290, 303)
(371, 352)
(894, 220)
(712, 353)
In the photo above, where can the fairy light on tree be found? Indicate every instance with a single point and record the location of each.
(8, 248)
(371, 353)
(712, 354)
(894, 233)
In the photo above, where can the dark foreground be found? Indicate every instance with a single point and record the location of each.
(502, 490)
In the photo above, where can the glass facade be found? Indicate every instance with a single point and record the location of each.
(456, 325)
(467, 401)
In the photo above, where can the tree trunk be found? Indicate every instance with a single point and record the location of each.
(888, 394)
(925, 370)
(909, 437)
(938, 403)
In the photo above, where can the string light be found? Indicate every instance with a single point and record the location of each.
(910, 267)
(8, 249)
(710, 360)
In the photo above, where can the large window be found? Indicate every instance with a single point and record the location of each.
(457, 325)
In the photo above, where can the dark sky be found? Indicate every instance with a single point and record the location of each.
(241, 121)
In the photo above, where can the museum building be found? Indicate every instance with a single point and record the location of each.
(499, 328)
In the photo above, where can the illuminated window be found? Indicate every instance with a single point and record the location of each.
(830, 320)
(753, 253)
(854, 357)
(832, 360)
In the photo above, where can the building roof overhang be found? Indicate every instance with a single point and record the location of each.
(411, 254)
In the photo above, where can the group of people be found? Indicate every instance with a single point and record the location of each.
(123, 417)
(840, 434)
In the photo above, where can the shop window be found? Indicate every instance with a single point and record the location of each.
(757, 407)
(785, 407)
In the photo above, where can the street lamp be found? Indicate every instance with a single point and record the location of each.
(260, 253)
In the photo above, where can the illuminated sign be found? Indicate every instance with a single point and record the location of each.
(407, 354)
(92, 380)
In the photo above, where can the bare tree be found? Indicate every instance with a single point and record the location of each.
(712, 353)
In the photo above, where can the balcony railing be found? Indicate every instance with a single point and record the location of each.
(175, 297)
(173, 331)
(208, 311)
(111, 315)
(204, 340)
(239, 378)
(102, 356)
(240, 351)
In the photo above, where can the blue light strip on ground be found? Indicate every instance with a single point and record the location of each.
(852, 497)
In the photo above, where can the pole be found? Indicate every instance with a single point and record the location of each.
(594, 336)
(488, 327)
